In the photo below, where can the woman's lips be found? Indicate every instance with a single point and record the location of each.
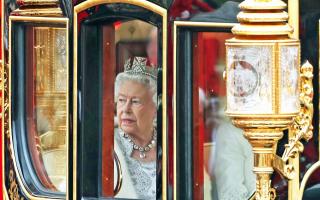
(127, 121)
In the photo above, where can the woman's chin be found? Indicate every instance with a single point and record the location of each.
(127, 129)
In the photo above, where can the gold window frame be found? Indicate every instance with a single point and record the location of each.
(177, 25)
(151, 7)
(6, 112)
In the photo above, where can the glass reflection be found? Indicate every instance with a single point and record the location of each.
(225, 155)
(47, 105)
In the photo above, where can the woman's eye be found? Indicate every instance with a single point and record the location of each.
(136, 102)
(122, 100)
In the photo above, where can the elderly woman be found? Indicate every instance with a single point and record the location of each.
(135, 140)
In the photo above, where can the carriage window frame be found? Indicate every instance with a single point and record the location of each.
(183, 187)
(39, 191)
(162, 89)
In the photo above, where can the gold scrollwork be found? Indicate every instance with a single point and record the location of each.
(302, 127)
(6, 102)
(264, 190)
(13, 191)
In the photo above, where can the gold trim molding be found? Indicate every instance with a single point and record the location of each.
(47, 8)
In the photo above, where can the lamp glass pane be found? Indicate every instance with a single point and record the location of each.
(289, 75)
(249, 79)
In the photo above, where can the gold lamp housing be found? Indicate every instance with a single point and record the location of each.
(262, 78)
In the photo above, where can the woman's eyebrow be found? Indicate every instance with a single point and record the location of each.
(131, 97)
(122, 95)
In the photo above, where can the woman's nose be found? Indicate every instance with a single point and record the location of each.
(127, 106)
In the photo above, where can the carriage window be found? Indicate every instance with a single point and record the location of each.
(223, 157)
(40, 105)
(207, 144)
(135, 118)
(47, 106)
(119, 62)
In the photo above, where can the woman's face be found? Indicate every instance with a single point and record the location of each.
(135, 108)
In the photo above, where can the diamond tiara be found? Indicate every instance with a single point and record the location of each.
(138, 66)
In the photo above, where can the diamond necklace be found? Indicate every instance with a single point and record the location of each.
(142, 150)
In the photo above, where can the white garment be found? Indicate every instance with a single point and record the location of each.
(233, 166)
(139, 178)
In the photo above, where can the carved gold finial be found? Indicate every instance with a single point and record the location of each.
(307, 70)
(306, 113)
(262, 17)
(47, 8)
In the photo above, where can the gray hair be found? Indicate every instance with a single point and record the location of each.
(145, 80)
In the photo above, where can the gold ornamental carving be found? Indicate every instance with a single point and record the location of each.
(302, 127)
(262, 184)
(13, 191)
(6, 102)
(43, 8)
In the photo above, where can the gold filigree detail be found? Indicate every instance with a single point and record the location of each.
(38, 2)
(302, 127)
(48, 8)
(13, 191)
(264, 189)
(38, 12)
(6, 102)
